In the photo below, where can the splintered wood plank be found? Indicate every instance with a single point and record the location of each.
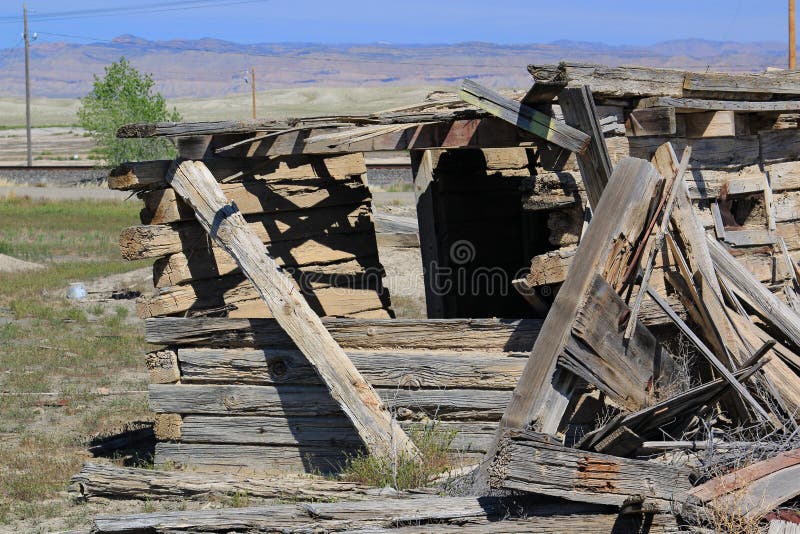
(524, 117)
(579, 110)
(765, 303)
(628, 372)
(539, 400)
(502, 335)
(135, 176)
(380, 433)
(530, 462)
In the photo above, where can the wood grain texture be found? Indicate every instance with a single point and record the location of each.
(530, 462)
(228, 228)
(114, 482)
(257, 196)
(501, 335)
(287, 400)
(144, 175)
(399, 368)
(622, 211)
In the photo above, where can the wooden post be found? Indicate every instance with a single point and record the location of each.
(422, 170)
(27, 82)
(792, 36)
(227, 227)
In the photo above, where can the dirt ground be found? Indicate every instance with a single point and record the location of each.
(55, 145)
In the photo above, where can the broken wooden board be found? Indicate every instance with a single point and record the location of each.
(540, 398)
(579, 110)
(754, 490)
(228, 228)
(530, 462)
(524, 117)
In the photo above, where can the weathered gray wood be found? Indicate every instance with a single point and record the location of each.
(619, 82)
(692, 105)
(630, 373)
(422, 168)
(259, 196)
(707, 152)
(297, 229)
(653, 421)
(787, 83)
(530, 462)
(459, 370)
(653, 121)
(622, 210)
(764, 302)
(334, 432)
(134, 176)
(381, 512)
(502, 335)
(380, 433)
(756, 489)
(524, 117)
(579, 111)
(314, 401)
(260, 460)
(110, 481)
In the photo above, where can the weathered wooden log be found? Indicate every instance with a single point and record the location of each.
(695, 105)
(113, 482)
(400, 368)
(311, 401)
(235, 292)
(502, 335)
(331, 227)
(531, 462)
(413, 514)
(152, 174)
(227, 227)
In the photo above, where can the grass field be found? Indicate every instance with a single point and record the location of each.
(66, 367)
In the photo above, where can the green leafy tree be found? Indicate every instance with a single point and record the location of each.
(122, 96)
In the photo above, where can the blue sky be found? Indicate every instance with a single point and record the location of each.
(413, 21)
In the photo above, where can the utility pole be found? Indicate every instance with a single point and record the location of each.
(792, 49)
(253, 84)
(27, 81)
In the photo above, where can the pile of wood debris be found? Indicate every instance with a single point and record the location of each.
(700, 433)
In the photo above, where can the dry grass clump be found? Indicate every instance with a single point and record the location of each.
(402, 471)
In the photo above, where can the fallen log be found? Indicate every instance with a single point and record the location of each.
(109, 481)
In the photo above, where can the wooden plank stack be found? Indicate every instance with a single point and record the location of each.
(667, 207)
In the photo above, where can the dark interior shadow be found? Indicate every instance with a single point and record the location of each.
(135, 445)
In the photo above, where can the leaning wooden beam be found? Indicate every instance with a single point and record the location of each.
(713, 360)
(380, 432)
(524, 117)
(764, 302)
(540, 399)
(578, 107)
(531, 462)
(110, 481)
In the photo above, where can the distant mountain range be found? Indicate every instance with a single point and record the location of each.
(210, 67)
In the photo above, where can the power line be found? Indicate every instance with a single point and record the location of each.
(129, 10)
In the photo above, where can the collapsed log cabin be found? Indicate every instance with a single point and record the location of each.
(529, 210)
